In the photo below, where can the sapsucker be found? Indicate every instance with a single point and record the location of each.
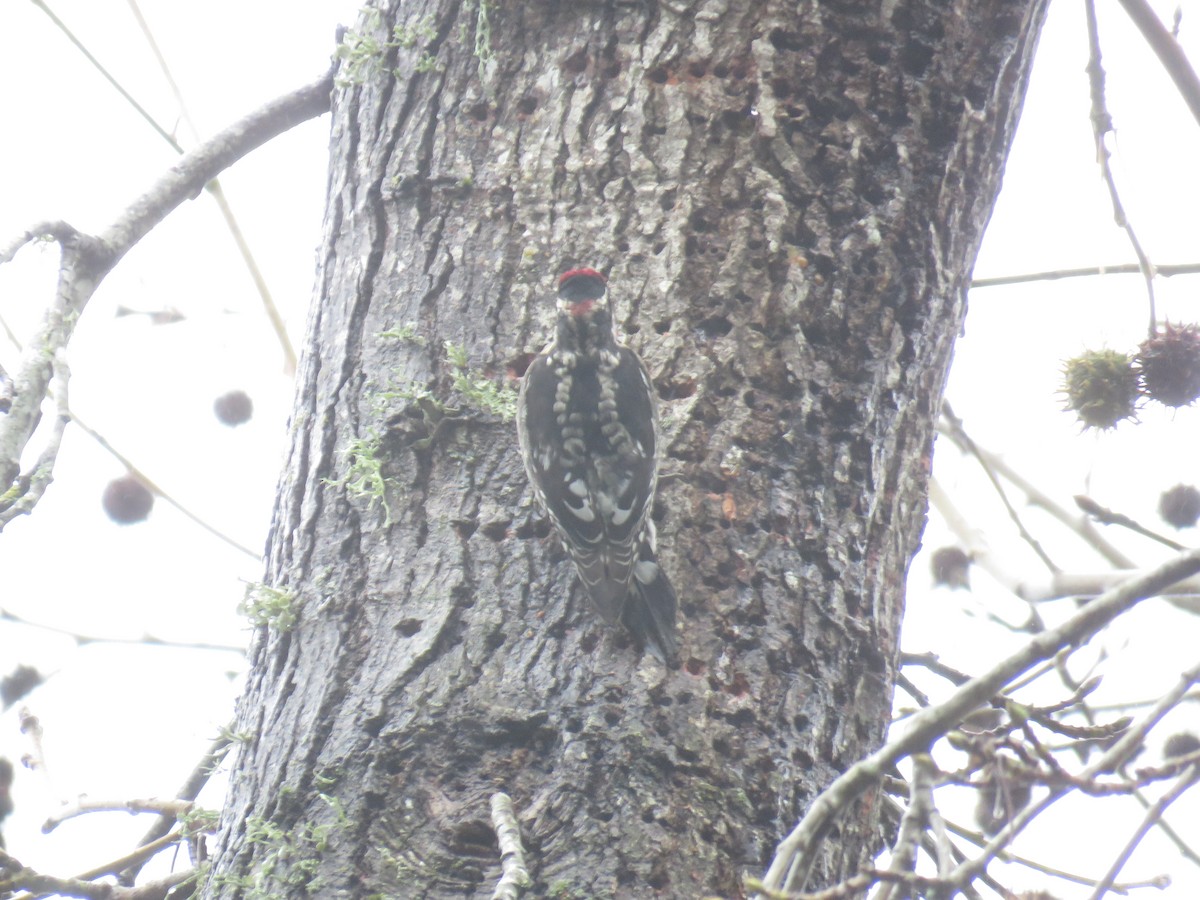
(587, 420)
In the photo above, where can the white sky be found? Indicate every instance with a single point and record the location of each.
(131, 721)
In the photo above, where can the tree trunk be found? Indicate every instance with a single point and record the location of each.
(787, 199)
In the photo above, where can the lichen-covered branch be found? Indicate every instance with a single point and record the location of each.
(87, 259)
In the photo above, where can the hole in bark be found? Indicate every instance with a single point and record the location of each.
(658, 75)
(532, 529)
(721, 70)
(374, 725)
(677, 390)
(880, 54)
(527, 104)
(781, 87)
(375, 800)
(742, 718)
(698, 69)
(697, 222)
(612, 716)
(694, 666)
(786, 40)
(667, 200)
(803, 759)
(464, 597)
(574, 725)
(409, 627)
(739, 687)
(464, 527)
(721, 747)
(589, 642)
(659, 247)
(496, 531)
(611, 70)
(915, 59)
(663, 327)
(517, 366)
(478, 112)
(474, 839)
(734, 119)
(576, 62)
(715, 326)
(648, 816)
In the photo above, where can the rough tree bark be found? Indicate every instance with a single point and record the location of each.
(788, 199)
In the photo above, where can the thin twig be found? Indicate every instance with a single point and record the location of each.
(1106, 516)
(796, 852)
(189, 790)
(84, 805)
(1119, 752)
(87, 259)
(956, 424)
(1101, 126)
(1008, 856)
(218, 194)
(1036, 496)
(148, 640)
(1168, 51)
(108, 76)
(1085, 272)
(158, 491)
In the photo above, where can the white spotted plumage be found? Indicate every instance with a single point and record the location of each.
(588, 430)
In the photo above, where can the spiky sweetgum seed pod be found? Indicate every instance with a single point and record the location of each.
(127, 500)
(1101, 387)
(1179, 507)
(1168, 365)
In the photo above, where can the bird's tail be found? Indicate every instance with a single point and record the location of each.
(650, 611)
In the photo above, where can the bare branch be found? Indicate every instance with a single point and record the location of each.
(87, 259)
(1168, 51)
(189, 790)
(1085, 272)
(1035, 495)
(1101, 126)
(1107, 516)
(795, 854)
(1117, 754)
(84, 805)
(145, 640)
